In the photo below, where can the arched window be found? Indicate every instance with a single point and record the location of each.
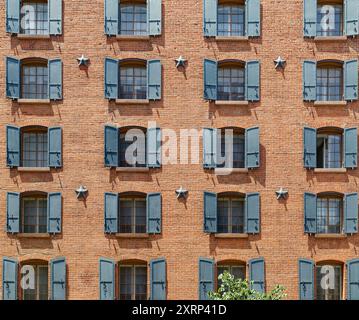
(133, 17)
(329, 281)
(231, 81)
(132, 147)
(40, 271)
(235, 268)
(34, 79)
(329, 81)
(133, 80)
(231, 18)
(236, 136)
(132, 213)
(34, 147)
(34, 212)
(329, 213)
(330, 18)
(34, 17)
(230, 217)
(330, 148)
(133, 280)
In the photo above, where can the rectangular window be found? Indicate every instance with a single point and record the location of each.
(133, 282)
(133, 82)
(237, 149)
(133, 19)
(329, 151)
(130, 155)
(329, 215)
(34, 215)
(238, 271)
(231, 83)
(329, 282)
(230, 20)
(230, 215)
(34, 18)
(329, 84)
(34, 83)
(132, 215)
(40, 290)
(34, 149)
(330, 20)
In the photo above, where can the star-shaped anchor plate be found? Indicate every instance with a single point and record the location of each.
(281, 193)
(279, 63)
(181, 193)
(81, 192)
(83, 61)
(180, 62)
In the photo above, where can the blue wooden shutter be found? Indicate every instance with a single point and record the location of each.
(351, 213)
(154, 213)
(252, 82)
(112, 17)
(9, 278)
(310, 18)
(252, 213)
(55, 79)
(256, 274)
(351, 9)
(54, 212)
(153, 147)
(111, 212)
(210, 212)
(210, 79)
(58, 279)
(206, 278)
(310, 212)
(252, 155)
(55, 17)
(154, 79)
(13, 212)
(310, 147)
(210, 18)
(12, 146)
(253, 18)
(306, 279)
(209, 148)
(55, 147)
(154, 17)
(13, 16)
(111, 78)
(353, 279)
(12, 78)
(107, 279)
(158, 281)
(111, 146)
(351, 80)
(350, 148)
(309, 80)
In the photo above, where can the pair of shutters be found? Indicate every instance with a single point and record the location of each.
(252, 213)
(112, 147)
(113, 17)
(207, 275)
(57, 279)
(252, 18)
(252, 82)
(350, 68)
(351, 18)
(350, 213)
(153, 213)
(54, 212)
(306, 279)
(158, 279)
(350, 150)
(13, 146)
(212, 147)
(112, 82)
(13, 78)
(13, 10)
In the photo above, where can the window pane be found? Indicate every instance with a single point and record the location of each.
(126, 283)
(230, 20)
(34, 18)
(237, 216)
(330, 20)
(34, 149)
(141, 283)
(40, 291)
(231, 83)
(34, 84)
(140, 216)
(133, 82)
(329, 84)
(133, 19)
(34, 215)
(329, 215)
(328, 288)
(223, 216)
(133, 152)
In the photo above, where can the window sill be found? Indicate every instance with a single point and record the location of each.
(328, 170)
(330, 103)
(133, 235)
(131, 37)
(33, 169)
(227, 171)
(34, 101)
(330, 39)
(232, 103)
(232, 38)
(231, 235)
(132, 169)
(329, 235)
(33, 36)
(132, 101)
(34, 235)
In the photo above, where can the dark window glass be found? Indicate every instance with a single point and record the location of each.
(132, 150)
(330, 20)
(329, 151)
(329, 288)
(34, 149)
(40, 291)
(237, 149)
(34, 211)
(230, 215)
(132, 215)
(230, 20)
(133, 82)
(238, 271)
(133, 283)
(34, 82)
(330, 84)
(329, 215)
(34, 18)
(133, 19)
(230, 83)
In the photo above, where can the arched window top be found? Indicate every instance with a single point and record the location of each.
(329, 262)
(330, 63)
(322, 2)
(330, 194)
(231, 63)
(132, 194)
(233, 262)
(231, 194)
(34, 61)
(231, 2)
(236, 130)
(127, 128)
(34, 128)
(35, 193)
(131, 262)
(133, 62)
(34, 261)
(330, 130)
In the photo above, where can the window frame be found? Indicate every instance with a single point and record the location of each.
(240, 134)
(330, 66)
(229, 266)
(133, 64)
(36, 21)
(36, 267)
(34, 63)
(124, 164)
(325, 135)
(335, 3)
(229, 200)
(134, 200)
(37, 130)
(133, 3)
(341, 279)
(133, 266)
(37, 198)
(327, 197)
(231, 66)
(231, 4)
